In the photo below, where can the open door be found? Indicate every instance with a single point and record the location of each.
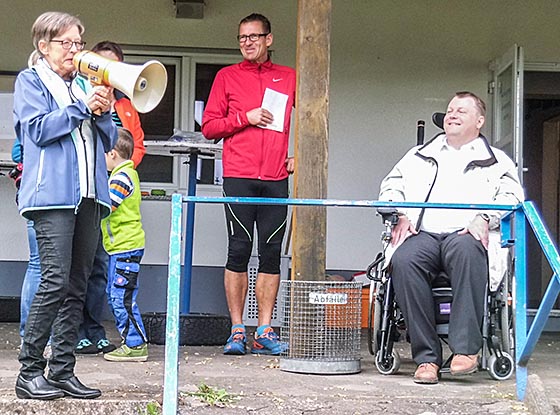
(506, 89)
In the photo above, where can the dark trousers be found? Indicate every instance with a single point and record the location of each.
(241, 219)
(415, 265)
(91, 327)
(67, 241)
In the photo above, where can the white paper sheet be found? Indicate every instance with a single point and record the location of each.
(198, 111)
(275, 102)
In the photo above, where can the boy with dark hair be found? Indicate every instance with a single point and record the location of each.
(123, 239)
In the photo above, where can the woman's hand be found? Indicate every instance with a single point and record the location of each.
(99, 99)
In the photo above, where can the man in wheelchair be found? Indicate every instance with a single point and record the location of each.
(457, 166)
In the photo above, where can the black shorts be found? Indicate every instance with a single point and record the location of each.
(270, 219)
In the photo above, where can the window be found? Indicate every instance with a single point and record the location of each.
(190, 77)
(158, 125)
(210, 170)
(7, 132)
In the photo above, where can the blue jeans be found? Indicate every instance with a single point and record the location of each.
(32, 277)
(91, 327)
(67, 242)
(122, 289)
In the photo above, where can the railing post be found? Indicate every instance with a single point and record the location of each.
(551, 294)
(173, 303)
(520, 301)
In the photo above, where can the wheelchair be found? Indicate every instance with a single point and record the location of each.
(386, 323)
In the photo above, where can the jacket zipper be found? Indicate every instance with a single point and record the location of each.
(421, 215)
(262, 129)
(74, 99)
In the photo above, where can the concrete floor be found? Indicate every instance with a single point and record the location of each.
(259, 386)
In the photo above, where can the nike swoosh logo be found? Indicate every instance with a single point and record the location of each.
(276, 79)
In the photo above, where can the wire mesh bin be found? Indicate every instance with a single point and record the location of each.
(321, 323)
(251, 309)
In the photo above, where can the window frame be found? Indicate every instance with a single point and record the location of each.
(185, 61)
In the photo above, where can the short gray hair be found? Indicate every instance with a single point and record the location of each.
(50, 24)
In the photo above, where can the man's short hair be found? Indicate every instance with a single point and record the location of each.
(256, 17)
(480, 104)
(125, 143)
(109, 46)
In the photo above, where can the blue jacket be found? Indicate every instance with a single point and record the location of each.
(51, 177)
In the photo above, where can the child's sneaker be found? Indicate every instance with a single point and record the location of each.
(128, 354)
(85, 346)
(268, 343)
(236, 343)
(105, 346)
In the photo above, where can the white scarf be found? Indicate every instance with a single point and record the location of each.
(65, 95)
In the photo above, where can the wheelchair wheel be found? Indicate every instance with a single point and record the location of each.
(377, 314)
(374, 320)
(506, 326)
(388, 366)
(372, 334)
(501, 367)
(507, 314)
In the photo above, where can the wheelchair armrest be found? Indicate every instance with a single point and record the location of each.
(388, 214)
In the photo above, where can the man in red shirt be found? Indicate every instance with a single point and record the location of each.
(255, 164)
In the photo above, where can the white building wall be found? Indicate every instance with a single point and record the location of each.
(392, 63)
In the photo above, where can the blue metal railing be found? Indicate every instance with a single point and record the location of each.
(551, 294)
(525, 340)
(173, 304)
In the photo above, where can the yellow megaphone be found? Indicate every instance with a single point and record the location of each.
(143, 84)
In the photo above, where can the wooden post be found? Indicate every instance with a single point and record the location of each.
(311, 138)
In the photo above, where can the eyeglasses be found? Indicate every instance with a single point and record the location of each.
(67, 44)
(253, 37)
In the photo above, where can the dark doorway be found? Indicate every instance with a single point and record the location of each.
(541, 155)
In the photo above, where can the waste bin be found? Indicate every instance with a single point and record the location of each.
(321, 323)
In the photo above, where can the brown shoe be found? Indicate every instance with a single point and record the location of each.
(463, 364)
(426, 373)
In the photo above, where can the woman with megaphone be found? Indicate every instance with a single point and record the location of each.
(65, 127)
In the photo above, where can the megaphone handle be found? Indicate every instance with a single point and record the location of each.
(93, 82)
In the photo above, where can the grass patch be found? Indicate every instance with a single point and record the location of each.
(152, 408)
(213, 396)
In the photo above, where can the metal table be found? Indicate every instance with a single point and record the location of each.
(193, 145)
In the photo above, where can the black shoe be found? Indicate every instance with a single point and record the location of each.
(85, 346)
(36, 388)
(105, 346)
(74, 388)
